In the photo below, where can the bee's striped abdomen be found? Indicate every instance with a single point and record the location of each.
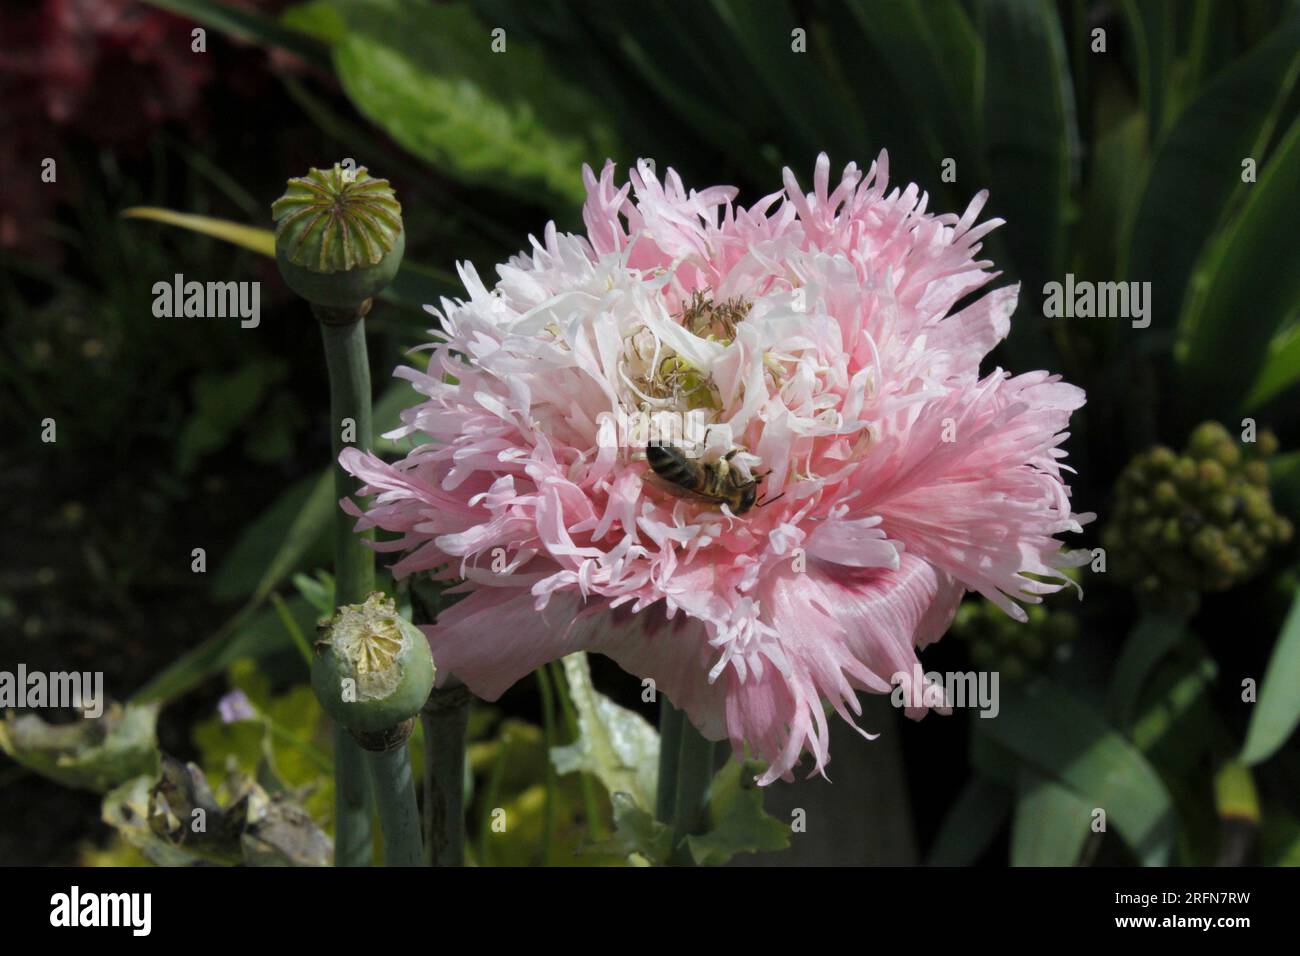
(672, 466)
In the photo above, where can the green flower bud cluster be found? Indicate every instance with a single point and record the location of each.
(1016, 651)
(1202, 520)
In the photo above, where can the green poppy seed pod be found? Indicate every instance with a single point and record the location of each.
(372, 671)
(338, 236)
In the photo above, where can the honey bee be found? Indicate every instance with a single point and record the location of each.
(715, 482)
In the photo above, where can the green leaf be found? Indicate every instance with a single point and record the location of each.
(1114, 189)
(93, 754)
(1284, 481)
(935, 55)
(1197, 170)
(415, 286)
(252, 238)
(1279, 837)
(316, 18)
(252, 635)
(636, 831)
(1235, 796)
(1151, 27)
(1049, 729)
(751, 75)
(971, 823)
(1278, 711)
(1281, 369)
(1155, 635)
(738, 823)
(426, 74)
(318, 591)
(280, 744)
(279, 541)
(1253, 265)
(1030, 136)
(1051, 823)
(616, 745)
(1179, 697)
(246, 24)
(223, 403)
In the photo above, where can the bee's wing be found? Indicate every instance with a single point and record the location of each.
(678, 491)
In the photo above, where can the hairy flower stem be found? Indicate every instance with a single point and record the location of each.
(394, 784)
(354, 568)
(694, 773)
(446, 719)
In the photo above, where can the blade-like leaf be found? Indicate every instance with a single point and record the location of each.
(277, 541)
(1030, 135)
(1281, 369)
(1050, 825)
(1065, 740)
(971, 823)
(1154, 636)
(261, 241)
(1284, 480)
(1253, 271)
(1197, 170)
(1152, 32)
(934, 54)
(415, 285)
(1278, 711)
(248, 25)
(251, 635)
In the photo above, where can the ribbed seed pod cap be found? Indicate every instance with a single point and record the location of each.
(338, 236)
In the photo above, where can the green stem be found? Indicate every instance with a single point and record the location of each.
(349, 372)
(694, 774)
(354, 572)
(352, 846)
(548, 740)
(489, 806)
(390, 771)
(670, 747)
(595, 828)
(446, 720)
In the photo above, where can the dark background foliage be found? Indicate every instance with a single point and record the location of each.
(1115, 164)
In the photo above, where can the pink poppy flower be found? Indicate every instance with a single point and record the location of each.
(813, 337)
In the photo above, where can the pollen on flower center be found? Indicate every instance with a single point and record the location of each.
(712, 320)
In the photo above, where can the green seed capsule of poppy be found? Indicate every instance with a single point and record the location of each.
(339, 238)
(372, 669)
